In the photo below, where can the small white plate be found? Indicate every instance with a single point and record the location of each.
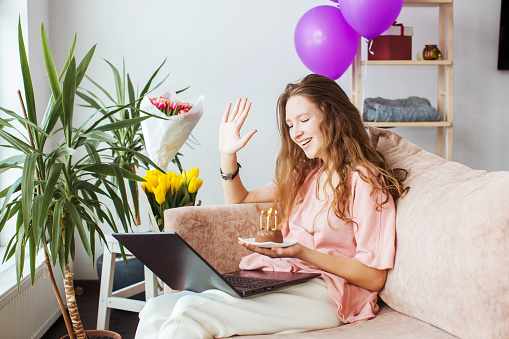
(286, 243)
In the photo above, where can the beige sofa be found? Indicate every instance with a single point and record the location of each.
(451, 272)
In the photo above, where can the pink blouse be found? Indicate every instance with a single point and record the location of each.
(371, 241)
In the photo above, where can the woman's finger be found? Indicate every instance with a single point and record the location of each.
(235, 110)
(242, 107)
(244, 113)
(226, 112)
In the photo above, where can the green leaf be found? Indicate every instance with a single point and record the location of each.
(54, 112)
(68, 94)
(5, 122)
(27, 78)
(50, 64)
(12, 162)
(38, 217)
(20, 255)
(69, 57)
(92, 155)
(62, 151)
(100, 136)
(182, 90)
(118, 84)
(35, 129)
(56, 233)
(132, 97)
(121, 186)
(107, 169)
(119, 207)
(13, 188)
(16, 143)
(83, 66)
(76, 219)
(121, 124)
(27, 188)
(32, 252)
(89, 100)
(147, 85)
(49, 189)
(100, 88)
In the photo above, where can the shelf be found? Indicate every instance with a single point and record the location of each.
(409, 124)
(408, 62)
(426, 3)
(443, 68)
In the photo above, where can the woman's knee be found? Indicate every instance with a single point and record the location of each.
(163, 304)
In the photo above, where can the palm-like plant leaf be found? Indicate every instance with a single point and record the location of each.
(56, 195)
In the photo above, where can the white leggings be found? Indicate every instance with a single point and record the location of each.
(215, 314)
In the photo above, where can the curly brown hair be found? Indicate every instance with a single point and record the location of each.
(347, 148)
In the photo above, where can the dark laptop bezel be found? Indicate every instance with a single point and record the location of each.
(219, 282)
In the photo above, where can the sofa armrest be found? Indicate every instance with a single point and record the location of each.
(213, 230)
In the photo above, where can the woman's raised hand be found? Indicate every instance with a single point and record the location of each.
(230, 141)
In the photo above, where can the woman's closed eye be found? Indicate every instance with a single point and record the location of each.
(303, 120)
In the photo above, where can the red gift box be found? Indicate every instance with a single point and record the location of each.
(393, 44)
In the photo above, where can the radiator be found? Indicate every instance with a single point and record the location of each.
(31, 313)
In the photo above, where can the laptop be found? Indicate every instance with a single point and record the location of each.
(180, 267)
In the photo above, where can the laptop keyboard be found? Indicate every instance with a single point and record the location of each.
(244, 282)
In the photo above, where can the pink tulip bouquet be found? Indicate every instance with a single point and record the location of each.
(165, 136)
(170, 107)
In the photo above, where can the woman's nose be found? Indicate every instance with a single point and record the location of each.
(296, 132)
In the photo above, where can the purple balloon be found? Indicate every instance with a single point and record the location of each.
(370, 18)
(325, 42)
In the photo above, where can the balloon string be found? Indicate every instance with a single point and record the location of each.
(364, 73)
(370, 44)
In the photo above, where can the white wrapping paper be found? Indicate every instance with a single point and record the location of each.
(164, 138)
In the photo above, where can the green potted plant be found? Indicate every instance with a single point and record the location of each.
(128, 137)
(59, 191)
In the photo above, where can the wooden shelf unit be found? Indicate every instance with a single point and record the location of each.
(445, 76)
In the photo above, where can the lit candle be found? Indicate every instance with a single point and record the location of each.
(269, 212)
(261, 221)
(275, 220)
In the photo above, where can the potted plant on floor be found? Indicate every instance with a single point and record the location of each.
(59, 191)
(128, 137)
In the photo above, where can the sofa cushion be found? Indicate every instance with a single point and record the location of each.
(388, 324)
(452, 249)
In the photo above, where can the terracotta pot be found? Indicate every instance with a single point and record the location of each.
(98, 334)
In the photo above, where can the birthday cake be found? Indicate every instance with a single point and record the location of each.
(269, 233)
(269, 236)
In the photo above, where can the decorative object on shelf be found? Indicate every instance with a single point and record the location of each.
(324, 41)
(165, 136)
(393, 44)
(170, 190)
(59, 200)
(369, 18)
(402, 110)
(431, 52)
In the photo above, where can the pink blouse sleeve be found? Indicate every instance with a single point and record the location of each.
(271, 186)
(375, 232)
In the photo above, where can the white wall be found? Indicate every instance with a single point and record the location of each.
(230, 48)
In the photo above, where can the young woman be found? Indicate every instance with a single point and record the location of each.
(334, 193)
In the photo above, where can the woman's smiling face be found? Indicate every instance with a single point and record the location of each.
(303, 119)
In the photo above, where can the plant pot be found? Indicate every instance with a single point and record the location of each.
(98, 334)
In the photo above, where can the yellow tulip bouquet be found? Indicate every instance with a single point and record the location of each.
(170, 190)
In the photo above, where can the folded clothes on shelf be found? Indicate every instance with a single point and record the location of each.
(411, 109)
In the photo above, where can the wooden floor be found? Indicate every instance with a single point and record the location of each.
(122, 322)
